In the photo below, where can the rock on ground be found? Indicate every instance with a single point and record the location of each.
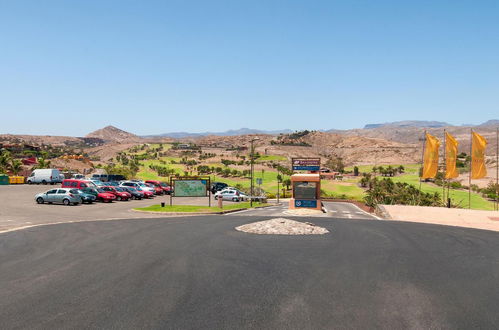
(282, 226)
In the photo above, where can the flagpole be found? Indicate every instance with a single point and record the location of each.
(471, 164)
(445, 169)
(497, 168)
(422, 166)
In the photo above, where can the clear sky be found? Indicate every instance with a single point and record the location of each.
(148, 67)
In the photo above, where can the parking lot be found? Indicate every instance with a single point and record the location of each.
(18, 208)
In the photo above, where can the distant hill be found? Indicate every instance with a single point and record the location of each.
(492, 122)
(241, 131)
(409, 123)
(113, 134)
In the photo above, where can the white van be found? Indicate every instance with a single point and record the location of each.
(45, 175)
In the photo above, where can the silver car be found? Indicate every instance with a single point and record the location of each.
(231, 195)
(58, 195)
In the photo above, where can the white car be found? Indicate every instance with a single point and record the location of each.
(140, 185)
(231, 195)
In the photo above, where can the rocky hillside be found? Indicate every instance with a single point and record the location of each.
(113, 134)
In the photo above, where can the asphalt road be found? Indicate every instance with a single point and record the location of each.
(338, 210)
(198, 272)
(19, 209)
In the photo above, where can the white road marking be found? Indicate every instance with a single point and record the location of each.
(345, 211)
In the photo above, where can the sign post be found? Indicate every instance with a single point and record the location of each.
(190, 186)
(306, 186)
(306, 164)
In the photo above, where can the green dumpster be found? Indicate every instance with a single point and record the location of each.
(4, 179)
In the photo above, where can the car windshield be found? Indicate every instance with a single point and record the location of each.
(76, 191)
(101, 190)
(162, 184)
(131, 189)
(120, 189)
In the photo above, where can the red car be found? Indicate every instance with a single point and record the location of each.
(121, 194)
(163, 185)
(147, 194)
(157, 188)
(100, 194)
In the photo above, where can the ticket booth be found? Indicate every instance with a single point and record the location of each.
(306, 191)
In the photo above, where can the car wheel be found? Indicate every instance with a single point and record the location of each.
(39, 200)
(216, 197)
(29, 182)
(66, 202)
(118, 198)
(44, 182)
(235, 199)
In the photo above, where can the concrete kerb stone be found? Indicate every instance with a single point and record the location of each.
(381, 212)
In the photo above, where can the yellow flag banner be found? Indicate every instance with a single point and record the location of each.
(450, 157)
(478, 145)
(430, 165)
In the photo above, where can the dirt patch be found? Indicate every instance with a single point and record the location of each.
(282, 226)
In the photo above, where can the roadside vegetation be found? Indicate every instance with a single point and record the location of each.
(196, 208)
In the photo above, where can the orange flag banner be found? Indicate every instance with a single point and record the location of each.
(478, 145)
(430, 164)
(450, 157)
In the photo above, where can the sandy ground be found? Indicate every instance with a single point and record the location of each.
(488, 220)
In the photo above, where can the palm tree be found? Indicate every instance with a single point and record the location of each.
(42, 163)
(5, 159)
(16, 166)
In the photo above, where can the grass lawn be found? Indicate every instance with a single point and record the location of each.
(267, 158)
(458, 196)
(351, 190)
(409, 168)
(198, 208)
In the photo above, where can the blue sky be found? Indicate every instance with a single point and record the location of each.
(70, 67)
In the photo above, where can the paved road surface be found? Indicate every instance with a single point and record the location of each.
(337, 210)
(198, 272)
(19, 209)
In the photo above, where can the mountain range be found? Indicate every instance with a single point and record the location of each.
(241, 131)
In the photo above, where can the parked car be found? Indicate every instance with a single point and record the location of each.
(113, 183)
(230, 195)
(100, 195)
(59, 195)
(98, 183)
(166, 188)
(101, 177)
(85, 197)
(78, 176)
(120, 194)
(139, 184)
(242, 195)
(147, 193)
(217, 186)
(44, 176)
(157, 188)
(115, 177)
(134, 192)
(76, 183)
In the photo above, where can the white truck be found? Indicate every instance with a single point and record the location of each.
(45, 175)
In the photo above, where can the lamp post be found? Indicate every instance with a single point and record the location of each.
(252, 158)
